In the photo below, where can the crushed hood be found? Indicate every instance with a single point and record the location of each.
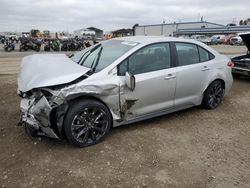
(42, 70)
(246, 39)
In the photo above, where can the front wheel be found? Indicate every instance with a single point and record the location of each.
(213, 95)
(87, 122)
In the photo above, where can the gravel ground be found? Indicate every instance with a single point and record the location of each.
(189, 149)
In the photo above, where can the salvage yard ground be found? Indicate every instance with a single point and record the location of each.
(188, 149)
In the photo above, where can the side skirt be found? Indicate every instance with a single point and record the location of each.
(152, 115)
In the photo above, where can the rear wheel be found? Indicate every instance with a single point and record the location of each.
(87, 123)
(213, 95)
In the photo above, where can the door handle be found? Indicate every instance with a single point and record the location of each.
(205, 68)
(169, 77)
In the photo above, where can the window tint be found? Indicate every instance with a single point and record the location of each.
(187, 53)
(204, 55)
(151, 58)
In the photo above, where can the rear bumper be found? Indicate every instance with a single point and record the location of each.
(36, 114)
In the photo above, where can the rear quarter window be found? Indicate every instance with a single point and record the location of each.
(205, 55)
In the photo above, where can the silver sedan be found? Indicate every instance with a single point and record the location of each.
(116, 82)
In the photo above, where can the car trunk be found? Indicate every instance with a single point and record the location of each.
(243, 61)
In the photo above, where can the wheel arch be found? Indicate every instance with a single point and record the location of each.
(204, 101)
(57, 121)
(217, 79)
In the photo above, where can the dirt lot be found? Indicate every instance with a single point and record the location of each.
(188, 149)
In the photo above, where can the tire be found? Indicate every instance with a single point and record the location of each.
(236, 76)
(87, 122)
(213, 95)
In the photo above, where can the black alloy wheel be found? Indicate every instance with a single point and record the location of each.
(87, 123)
(213, 95)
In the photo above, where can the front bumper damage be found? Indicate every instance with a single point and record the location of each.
(46, 114)
(44, 110)
(35, 113)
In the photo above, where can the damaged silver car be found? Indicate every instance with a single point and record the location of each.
(116, 82)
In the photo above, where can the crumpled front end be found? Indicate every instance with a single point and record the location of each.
(44, 109)
(36, 109)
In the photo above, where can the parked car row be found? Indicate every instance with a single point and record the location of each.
(231, 39)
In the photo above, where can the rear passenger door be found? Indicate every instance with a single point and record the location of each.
(193, 66)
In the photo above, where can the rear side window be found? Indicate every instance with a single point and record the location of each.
(187, 54)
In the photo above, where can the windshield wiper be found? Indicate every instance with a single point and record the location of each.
(89, 52)
(95, 63)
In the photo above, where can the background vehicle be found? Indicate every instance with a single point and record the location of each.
(242, 63)
(217, 39)
(237, 40)
(13, 37)
(52, 44)
(75, 44)
(9, 45)
(47, 45)
(202, 38)
(227, 38)
(117, 82)
(31, 44)
(2, 39)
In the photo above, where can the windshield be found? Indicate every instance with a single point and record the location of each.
(101, 55)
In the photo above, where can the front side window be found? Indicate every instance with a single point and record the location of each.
(187, 54)
(150, 58)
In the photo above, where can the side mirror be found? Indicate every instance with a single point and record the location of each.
(130, 81)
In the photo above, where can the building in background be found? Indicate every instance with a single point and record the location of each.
(122, 33)
(90, 32)
(172, 28)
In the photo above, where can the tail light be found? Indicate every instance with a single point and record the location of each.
(230, 64)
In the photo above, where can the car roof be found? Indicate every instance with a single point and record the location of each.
(145, 40)
(153, 39)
